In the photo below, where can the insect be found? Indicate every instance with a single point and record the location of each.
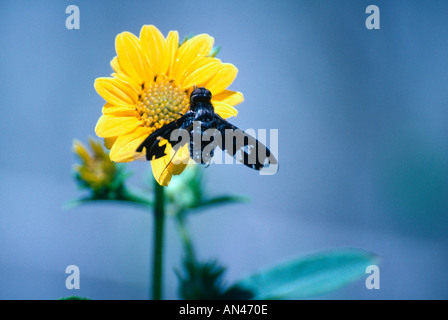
(205, 130)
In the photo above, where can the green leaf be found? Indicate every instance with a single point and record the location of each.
(215, 51)
(123, 197)
(220, 200)
(186, 38)
(309, 275)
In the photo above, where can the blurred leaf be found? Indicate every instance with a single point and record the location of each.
(203, 281)
(310, 275)
(123, 197)
(221, 200)
(74, 298)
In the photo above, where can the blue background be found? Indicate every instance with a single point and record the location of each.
(363, 144)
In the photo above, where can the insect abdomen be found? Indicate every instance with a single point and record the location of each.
(202, 135)
(196, 143)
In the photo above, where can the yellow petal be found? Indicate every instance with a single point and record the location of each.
(222, 79)
(182, 156)
(109, 142)
(230, 97)
(153, 45)
(119, 111)
(112, 126)
(171, 164)
(123, 150)
(113, 91)
(172, 45)
(197, 47)
(200, 72)
(115, 65)
(130, 56)
(129, 81)
(160, 170)
(224, 110)
(125, 84)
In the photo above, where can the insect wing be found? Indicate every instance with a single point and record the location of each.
(246, 149)
(168, 132)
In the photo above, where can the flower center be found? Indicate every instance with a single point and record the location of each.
(161, 103)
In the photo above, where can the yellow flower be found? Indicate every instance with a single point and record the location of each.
(150, 87)
(96, 171)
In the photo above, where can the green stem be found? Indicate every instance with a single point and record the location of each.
(159, 221)
(185, 237)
